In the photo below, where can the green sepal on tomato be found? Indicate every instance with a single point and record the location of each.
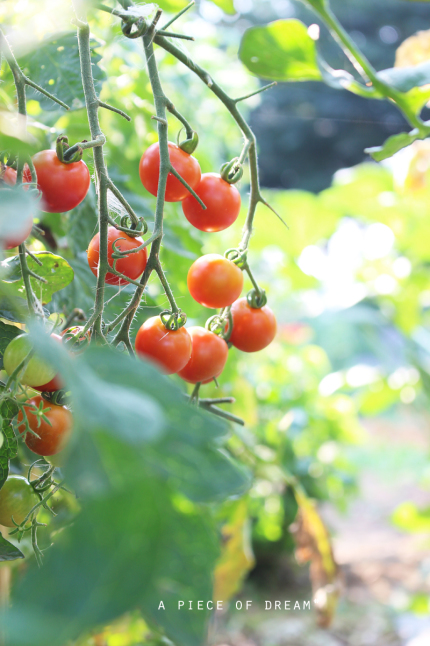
(17, 499)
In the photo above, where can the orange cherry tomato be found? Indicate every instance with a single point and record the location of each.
(169, 349)
(214, 281)
(63, 186)
(54, 436)
(208, 356)
(186, 165)
(132, 265)
(253, 329)
(222, 201)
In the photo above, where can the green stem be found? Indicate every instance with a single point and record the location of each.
(364, 67)
(102, 178)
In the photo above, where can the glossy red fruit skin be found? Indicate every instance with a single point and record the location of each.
(132, 265)
(53, 437)
(214, 281)
(222, 201)
(169, 349)
(253, 329)
(63, 186)
(208, 357)
(186, 165)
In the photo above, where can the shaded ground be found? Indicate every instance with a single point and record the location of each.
(385, 572)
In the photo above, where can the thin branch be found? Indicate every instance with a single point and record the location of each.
(178, 15)
(106, 106)
(172, 34)
(259, 91)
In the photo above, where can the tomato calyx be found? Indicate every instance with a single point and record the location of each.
(256, 298)
(232, 171)
(190, 143)
(57, 397)
(63, 146)
(173, 320)
(221, 324)
(133, 229)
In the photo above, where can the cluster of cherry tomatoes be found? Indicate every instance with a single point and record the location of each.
(196, 354)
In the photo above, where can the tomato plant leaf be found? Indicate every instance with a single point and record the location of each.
(56, 271)
(54, 65)
(9, 447)
(281, 51)
(226, 5)
(393, 144)
(9, 552)
(7, 333)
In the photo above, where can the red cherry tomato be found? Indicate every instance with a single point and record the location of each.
(253, 329)
(170, 349)
(18, 238)
(132, 265)
(214, 281)
(186, 165)
(63, 186)
(54, 436)
(222, 201)
(9, 176)
(208, 356)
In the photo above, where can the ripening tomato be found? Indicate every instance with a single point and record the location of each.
(170, 349)
(53, 436)
(222, 201)
(214, 281)
(63, 186)
(253, 329)
(17, 499)
(15, 239)
(9, 176)
(37, 371)
(132, 265)
(208, 356)
(56, 383)
(186, 165)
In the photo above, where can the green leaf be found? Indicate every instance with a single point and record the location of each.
(57, 272)
(406, 78)
(9, 447)
(9, 552)
(281, 51)
(392, 145)
(7, 333)
(226, 5)
(343, 80)
(54, 65)
(136, 541)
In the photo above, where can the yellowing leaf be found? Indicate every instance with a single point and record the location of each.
(236, 557)
(313, 545)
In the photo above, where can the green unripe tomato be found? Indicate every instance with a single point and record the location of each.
(17, 498)
(37, 372)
